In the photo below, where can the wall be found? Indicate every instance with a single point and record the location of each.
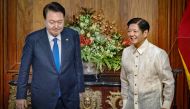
(1, 54)
(24, 16)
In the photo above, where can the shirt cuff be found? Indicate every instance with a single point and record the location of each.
(166, 104)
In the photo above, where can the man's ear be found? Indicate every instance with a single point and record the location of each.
(145, 33)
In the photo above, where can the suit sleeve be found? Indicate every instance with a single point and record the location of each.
(24, 69)
(78, 64)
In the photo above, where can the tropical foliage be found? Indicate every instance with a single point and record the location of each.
(100, 41)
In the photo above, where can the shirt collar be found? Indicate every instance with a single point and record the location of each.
(50, 37)
(142, 48)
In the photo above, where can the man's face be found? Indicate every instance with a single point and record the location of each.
(54, 22)
(135, 35)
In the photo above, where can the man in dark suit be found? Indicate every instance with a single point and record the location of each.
(54, 54)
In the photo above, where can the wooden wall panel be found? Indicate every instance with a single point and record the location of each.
(11, 43)
(24, 22)
(118, 12)
(1, 52)
(5, 49)
(163, 28)
(25, 16)
(10, 48)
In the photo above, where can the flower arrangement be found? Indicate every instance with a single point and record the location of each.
(101, 43)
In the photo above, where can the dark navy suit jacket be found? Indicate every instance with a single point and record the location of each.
(46, 81)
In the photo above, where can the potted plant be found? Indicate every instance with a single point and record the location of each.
(101, 43)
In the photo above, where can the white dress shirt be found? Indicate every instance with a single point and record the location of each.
(50, 37)
(144, 73)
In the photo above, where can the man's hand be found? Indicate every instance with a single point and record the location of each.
(21, 104)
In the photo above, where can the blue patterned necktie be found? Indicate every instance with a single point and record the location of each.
(56, 54)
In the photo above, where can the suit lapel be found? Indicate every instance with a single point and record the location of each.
(65, 38)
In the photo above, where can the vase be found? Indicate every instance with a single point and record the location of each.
(90, 70)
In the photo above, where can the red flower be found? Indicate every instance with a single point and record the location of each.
(126, 42)
(84, 40)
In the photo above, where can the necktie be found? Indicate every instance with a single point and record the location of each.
(56, 54)
(56, 58)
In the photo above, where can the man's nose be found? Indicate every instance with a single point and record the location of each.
(131, 33)
(56, 25)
